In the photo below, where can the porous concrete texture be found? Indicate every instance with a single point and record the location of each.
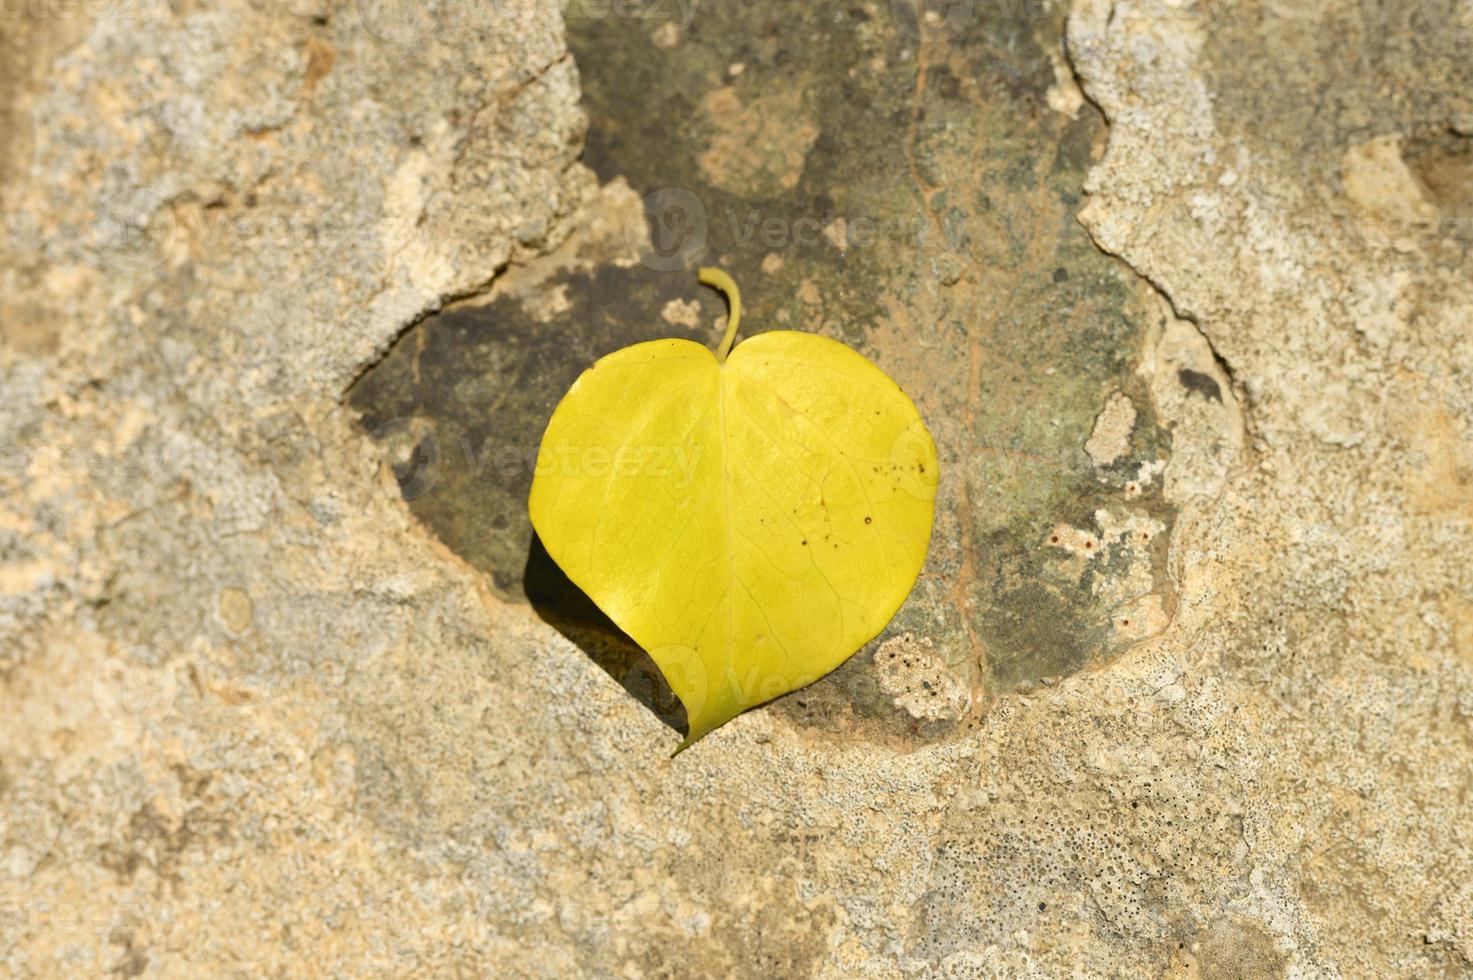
(262, 720)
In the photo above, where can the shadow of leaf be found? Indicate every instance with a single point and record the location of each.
(569, 610)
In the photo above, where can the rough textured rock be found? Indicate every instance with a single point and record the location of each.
(971, 282)
(262, 720)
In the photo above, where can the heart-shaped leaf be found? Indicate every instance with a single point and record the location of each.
(750, 520)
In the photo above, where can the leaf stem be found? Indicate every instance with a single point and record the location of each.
(720, 281)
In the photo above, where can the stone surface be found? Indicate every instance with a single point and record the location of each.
(761, 140)
(266, 717)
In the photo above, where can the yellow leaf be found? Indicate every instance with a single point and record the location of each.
(750, 520)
